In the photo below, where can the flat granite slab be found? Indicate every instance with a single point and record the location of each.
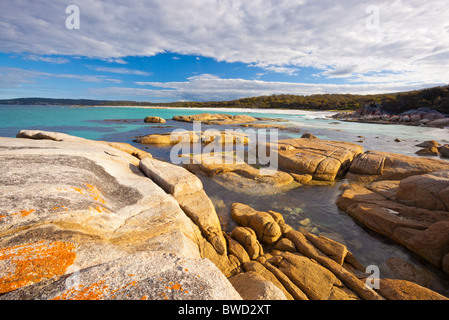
(70, 205)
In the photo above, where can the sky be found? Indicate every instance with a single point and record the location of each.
(212, 50)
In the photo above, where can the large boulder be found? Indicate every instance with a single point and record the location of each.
(216, 118)
(187, 189)
(432, 152)
(252, 286)
(439, 123)
(228, 137)
(170, 138)
(248, 239)
(266, 228)
(377, 165)
(432, 243)
(238, 176)
(394, 289)
(428, 144)
(313, 279)
(258, 267)
(71, 206)
(444, 151)
(324, 160)
(429, 191)
(154, 119)
(412, 212)
(183, 136)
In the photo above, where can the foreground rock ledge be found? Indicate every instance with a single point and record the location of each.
(73, 208)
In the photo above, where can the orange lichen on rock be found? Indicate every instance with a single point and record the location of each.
(61, 207)
(95, 291)
(78, 190)
(99, 209)
(31, 263)
(22, 213)
(93, 193)
(176, 286)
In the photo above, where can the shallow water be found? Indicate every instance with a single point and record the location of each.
(310, 207)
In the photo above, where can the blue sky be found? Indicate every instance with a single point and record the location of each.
(176, 50)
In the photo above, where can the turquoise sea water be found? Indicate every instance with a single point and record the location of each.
(315, 203)
(89, 122)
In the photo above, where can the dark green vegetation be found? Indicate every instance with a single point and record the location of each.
(436, 98)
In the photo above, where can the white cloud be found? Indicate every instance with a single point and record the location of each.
(280, 35)
(114, 60)
(120, 70)
(277, 69)
(15, 77)
(57, 60)
(86, 78)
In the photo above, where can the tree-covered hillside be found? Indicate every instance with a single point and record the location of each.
(436, 98)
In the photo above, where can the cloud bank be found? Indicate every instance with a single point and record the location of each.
(407, 47)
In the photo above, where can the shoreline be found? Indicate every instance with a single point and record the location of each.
(246, 110)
